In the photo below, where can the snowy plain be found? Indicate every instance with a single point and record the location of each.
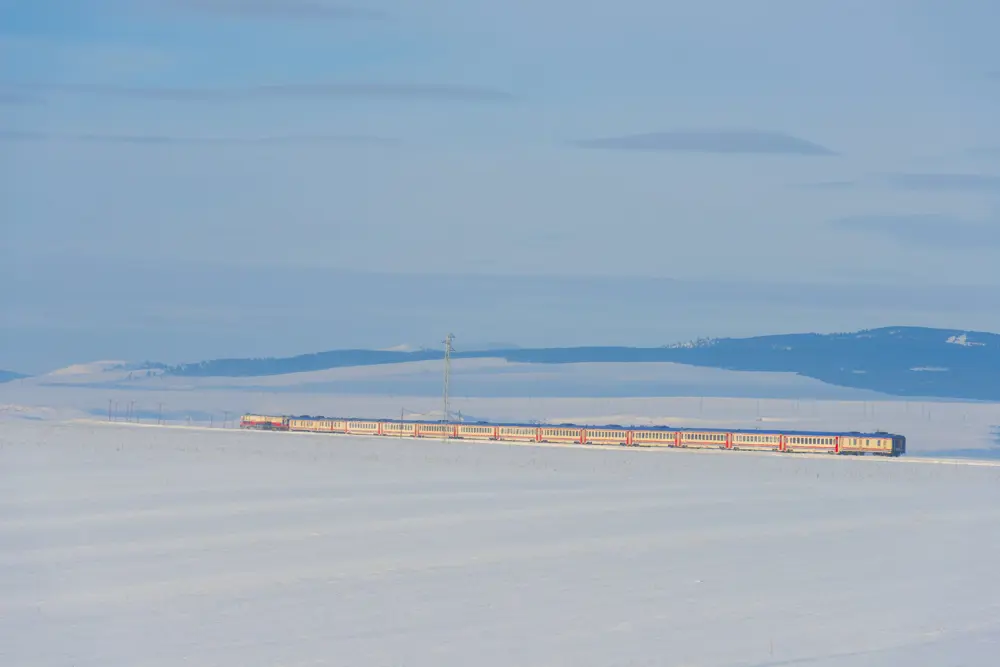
(125, 544)
(490, 389)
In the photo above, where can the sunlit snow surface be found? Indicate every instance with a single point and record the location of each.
(130, 545)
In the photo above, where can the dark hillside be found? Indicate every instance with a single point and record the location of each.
(901, 361)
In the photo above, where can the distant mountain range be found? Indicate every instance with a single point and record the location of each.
(899, 361)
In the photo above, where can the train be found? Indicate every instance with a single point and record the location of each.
(853, 443)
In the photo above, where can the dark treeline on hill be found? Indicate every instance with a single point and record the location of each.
(303, 363)
(900, 361)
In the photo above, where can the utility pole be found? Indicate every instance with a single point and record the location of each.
(447, 372)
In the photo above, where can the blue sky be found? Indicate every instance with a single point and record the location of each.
(846, 143)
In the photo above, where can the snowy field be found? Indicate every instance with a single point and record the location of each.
(932, 428)
(141, 545)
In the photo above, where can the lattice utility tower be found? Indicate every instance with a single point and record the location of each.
(447, 373)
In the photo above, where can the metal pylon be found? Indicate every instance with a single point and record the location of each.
(447, 374)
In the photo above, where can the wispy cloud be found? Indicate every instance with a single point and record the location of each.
(166, 140)
(942, 181)
(278, 9)
(984, 151)
(827, 185)
(711, 141)
(925, 230)
(15, 99)
(918, 182)
(376, 91)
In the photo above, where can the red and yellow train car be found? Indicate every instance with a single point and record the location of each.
(704, 440)
(607, 436)
(880, 444)
(477, 432)
(757, 441)
(562, 434)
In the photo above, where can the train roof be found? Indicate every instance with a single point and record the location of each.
(609, 427)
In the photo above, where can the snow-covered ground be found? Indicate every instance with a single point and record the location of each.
(142, 545)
